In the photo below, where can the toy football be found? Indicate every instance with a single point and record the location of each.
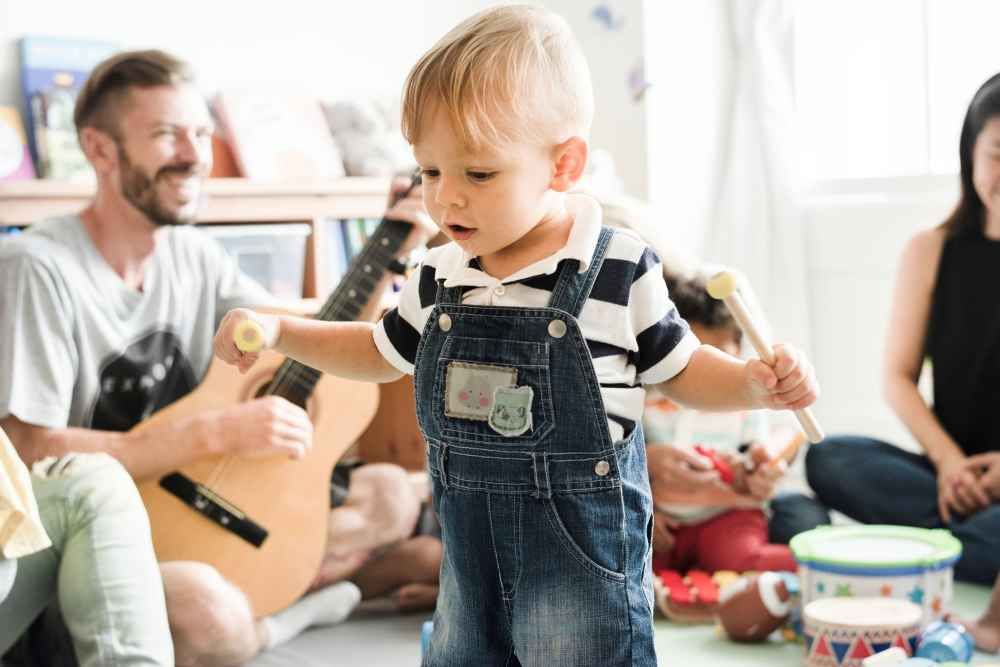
(754, 606)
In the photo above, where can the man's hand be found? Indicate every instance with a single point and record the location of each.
(959, 489)
(269, 426)
(680, 468)
(224, 344)
(663, 536)
(411, 209)
(790, 385)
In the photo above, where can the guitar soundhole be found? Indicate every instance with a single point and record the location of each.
(257, 386)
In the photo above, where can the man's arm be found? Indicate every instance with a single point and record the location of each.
(265, 427)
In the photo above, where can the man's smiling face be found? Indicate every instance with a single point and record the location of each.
(165, 152)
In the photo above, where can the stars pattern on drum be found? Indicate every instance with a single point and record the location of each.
(936, 605)
(916, 595)
(886, 590)
(843, 591)
(820, 587)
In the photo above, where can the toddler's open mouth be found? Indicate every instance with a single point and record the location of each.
(460, 233)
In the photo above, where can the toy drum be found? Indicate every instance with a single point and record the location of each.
(841, 632)
(912, 564)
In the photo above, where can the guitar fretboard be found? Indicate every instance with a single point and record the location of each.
(294, 380)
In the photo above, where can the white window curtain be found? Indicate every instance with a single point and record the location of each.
(721, 122)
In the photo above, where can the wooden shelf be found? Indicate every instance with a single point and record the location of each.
(229, 200)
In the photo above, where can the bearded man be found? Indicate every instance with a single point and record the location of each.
(108, 315)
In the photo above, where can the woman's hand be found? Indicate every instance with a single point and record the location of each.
(680, 468)
(986, 467)
(959, 489)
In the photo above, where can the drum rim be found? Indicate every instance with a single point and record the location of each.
(947, 550)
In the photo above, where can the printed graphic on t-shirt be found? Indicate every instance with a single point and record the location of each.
(151, 374)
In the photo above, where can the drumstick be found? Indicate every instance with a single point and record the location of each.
(248, 336)
(723, 286)
(790, 449)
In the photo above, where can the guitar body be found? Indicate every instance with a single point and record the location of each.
(288, 498)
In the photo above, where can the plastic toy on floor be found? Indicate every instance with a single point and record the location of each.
(946, 642)
(691, 598)
(755, 606)
(845, 631)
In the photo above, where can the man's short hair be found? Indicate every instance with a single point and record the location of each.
(103, 99)
(509, 72)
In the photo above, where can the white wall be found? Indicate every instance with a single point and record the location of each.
(337, 49)
(854, 234)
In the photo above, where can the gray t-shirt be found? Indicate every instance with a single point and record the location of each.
(80, 348)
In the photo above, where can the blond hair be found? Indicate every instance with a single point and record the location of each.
(103, 99)
(509, 72)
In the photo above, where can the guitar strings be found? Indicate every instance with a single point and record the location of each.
(291, 372)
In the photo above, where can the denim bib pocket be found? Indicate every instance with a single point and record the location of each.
(465, 363)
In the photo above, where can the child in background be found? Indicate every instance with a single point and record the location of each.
(721, 526)
(529, 338)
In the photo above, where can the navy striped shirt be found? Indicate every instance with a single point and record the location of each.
(631, 327)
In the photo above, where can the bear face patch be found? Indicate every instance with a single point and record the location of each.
(470, 388)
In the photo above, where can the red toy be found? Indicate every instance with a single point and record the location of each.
(725, 472)
(692, 598)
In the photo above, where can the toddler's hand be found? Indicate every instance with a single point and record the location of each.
(790, 385)
(224, 344)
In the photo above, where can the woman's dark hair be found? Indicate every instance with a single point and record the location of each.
(690, 296)
(968, 217)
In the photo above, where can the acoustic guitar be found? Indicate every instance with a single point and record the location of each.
(263, 523)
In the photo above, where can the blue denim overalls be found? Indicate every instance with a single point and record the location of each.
(547, 524)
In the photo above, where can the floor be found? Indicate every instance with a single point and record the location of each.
(377, 636)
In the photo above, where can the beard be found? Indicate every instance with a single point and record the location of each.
(140, 191)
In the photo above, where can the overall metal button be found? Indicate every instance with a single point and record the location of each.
(602, 468)
(557, 328)
(445, 322)
(500, 290)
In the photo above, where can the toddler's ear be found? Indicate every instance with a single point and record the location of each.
(570, 163)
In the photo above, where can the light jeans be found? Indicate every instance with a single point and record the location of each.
(101, 565)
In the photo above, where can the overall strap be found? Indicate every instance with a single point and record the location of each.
(573, 288)
(448, 295)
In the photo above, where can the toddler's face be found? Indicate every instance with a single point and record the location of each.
(488, 203)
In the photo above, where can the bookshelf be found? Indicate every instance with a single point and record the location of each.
(230, 200)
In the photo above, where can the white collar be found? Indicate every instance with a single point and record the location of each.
(586, 213)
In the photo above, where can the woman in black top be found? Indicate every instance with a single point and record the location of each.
(946, 307)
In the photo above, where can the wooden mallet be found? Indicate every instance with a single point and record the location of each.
(723, 285)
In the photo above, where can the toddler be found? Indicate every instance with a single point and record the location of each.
(719, 526)
(529, 338)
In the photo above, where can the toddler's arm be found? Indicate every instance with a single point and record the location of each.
(344, 349)
(713, 381)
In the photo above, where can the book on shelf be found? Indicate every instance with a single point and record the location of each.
(15, 158)
(278, 136)
(53, 70)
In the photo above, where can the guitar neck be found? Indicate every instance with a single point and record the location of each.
(294, 380)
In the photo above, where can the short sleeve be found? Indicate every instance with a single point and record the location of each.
(397, 335)
(37, 348)
(664, 340)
